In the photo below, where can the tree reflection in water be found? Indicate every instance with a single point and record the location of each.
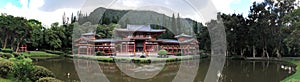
(233, 71)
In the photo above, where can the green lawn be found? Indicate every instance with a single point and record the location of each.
(39, 54)
(295, 77)
(4, 80)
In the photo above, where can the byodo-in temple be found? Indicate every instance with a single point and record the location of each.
(136, 40)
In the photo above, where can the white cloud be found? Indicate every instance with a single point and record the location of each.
(131, 3)
(32, 11)
(223, 5)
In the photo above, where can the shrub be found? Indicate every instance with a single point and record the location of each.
(7, 50)
(100, 53)
(6, 67)
(48, 79)
(6, 55)
(142, 56)
(16, 54)
(22, 69)
(178, 54)
(162, 53)
(40, 72)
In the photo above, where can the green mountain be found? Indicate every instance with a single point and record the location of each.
(157, 20)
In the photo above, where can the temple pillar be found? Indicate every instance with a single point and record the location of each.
(87, 49)
(121, 48)
(78, 51)
(134, 51)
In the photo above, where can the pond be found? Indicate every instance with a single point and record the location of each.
(233, 71)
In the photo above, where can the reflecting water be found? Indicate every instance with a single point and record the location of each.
(234, 70)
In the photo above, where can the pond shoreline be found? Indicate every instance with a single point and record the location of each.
(136, 59)
(296, 76)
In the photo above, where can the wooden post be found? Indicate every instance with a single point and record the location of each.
(87, 49)
(157, 47)
(145, 48)
(134, 52)
(126, 47)
(173, 49)
(121, 47)
(78, 51)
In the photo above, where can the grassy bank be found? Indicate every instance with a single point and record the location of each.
(4, 80)
(295, 77)
(39, 54)
(98, 58)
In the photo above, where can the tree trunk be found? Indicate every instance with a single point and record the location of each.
(253, 51)
(265, 52)
(242, 52)
(12, 44)
(278, 53)
(18, 43)
(5, 42)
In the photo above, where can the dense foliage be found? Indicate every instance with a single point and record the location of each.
(21, 69)
(40, 72)
(269, 30)
(48, 79)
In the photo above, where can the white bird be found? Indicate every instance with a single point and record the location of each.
(282, 66)
(68, 74)
(219, 74)
(285, 68)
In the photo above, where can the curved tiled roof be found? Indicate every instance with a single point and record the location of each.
(105, 40)
(169, 40)
(183, 35)
(90, 33)
(141, 28)
(138, 27)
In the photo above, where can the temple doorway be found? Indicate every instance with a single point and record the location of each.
(139, 45)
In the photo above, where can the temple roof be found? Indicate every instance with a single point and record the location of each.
(105, 40)
(169, 40)
(188, 41)
(141, 28)
(90, 33)
(183, 35)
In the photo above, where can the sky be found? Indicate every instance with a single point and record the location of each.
(50, 11)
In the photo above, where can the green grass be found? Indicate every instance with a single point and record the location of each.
(39, 54)
(99, 58)
(5, 80)
(295, 77)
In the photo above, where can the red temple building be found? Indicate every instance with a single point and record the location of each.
(136, 40)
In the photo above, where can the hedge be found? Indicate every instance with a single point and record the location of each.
(6, 55)
(6, 67)
(7, 50)
(48, 79)
(40, 72)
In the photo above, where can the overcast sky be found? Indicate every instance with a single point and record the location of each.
(50, 11)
